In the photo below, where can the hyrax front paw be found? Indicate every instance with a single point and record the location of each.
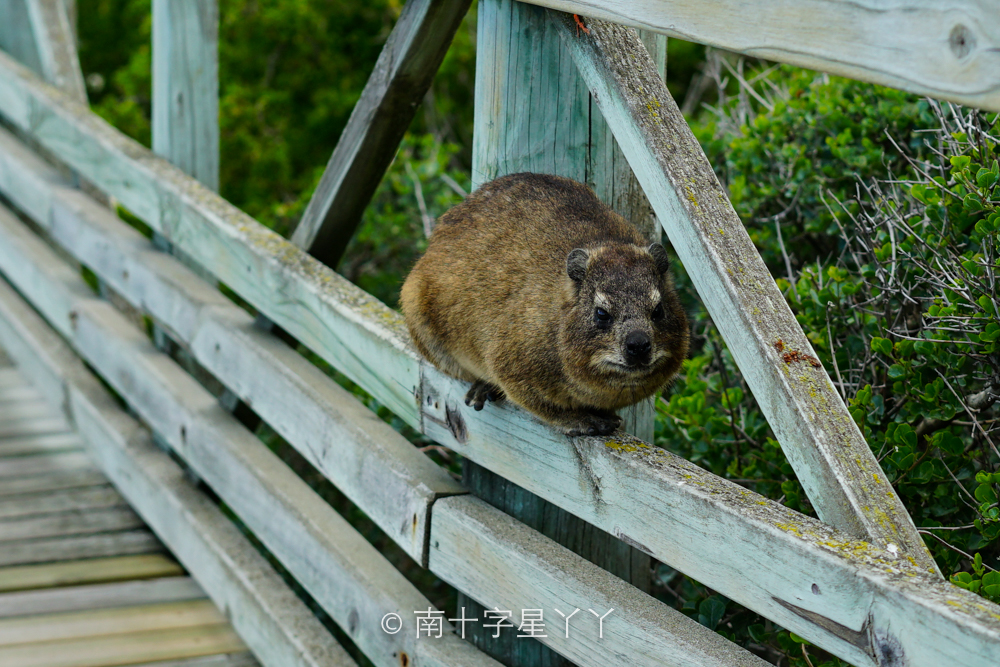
(594, 424)
(482, 391)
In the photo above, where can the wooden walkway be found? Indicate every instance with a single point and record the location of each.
(83, 582)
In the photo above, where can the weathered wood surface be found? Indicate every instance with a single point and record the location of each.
(76, 547)
(824, 445)
(949, 50)
(277, 626)
(53, 37)
(674, 510)
(40, 444)
(16, 36)
(98, 596)
(403, 73)
(185, 124)
(42, 464)
(364, 457)
(343, 572)
(124, 649)
(516, 568)
(91, 571)
(228, 660)
(107, 622)
(75, 522)
(748, 548)
(76, 479)
(90, 497)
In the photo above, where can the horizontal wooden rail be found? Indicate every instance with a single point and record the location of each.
(372, 464)
(949, 50)
(275, 624)
(355, 584)
(517, 568)
(346, 575)
(773, 560)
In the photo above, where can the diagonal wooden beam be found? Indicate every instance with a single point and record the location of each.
(402, 75)
(824, 445)
(56, 46)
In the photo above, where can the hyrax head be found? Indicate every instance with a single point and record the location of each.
(625, 325)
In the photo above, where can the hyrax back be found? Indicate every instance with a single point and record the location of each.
(533, 289)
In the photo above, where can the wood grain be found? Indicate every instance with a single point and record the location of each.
(185, 123)
(949, 49)
(31, 577)
(99, 596)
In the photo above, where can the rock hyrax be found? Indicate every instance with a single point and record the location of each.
(534, 290)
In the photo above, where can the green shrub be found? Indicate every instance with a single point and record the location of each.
(887, 209)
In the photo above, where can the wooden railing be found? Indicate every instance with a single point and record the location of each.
(859, 584)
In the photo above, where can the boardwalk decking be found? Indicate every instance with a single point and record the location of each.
(83, 581)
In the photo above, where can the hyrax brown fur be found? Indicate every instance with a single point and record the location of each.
(534, 290)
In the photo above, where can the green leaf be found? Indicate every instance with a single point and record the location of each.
(882, 345)
(710, 611)
(960, 161)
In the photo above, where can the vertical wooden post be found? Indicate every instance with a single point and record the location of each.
(16, 36)
(186, 121)
(534, 113)
(186, 86)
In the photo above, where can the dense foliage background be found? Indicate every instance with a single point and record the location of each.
(876, 211)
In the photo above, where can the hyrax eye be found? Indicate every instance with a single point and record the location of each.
(658, 312)
(602, 316)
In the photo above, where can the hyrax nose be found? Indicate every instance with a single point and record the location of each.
(637, 347)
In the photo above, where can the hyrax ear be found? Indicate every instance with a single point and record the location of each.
(659, 257)
(576, 265)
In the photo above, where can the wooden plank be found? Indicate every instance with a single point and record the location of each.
(74, 522)
(108, 622)
(185, 124)
(39, 444)
(19, 428)
(44, 464)
(99, 596)
(277, 626)
(51, 550)
(53, 36)
(350, 329)
(346, 575)
(366, 459)
(949, 50)
(18, 393)
(403, 73)
(89, 497)
(124, 649)
(518, 569)
(50, 483)
(825, 447)
(97, 570)
(23, 410)
(16, 35)
(230, 660)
